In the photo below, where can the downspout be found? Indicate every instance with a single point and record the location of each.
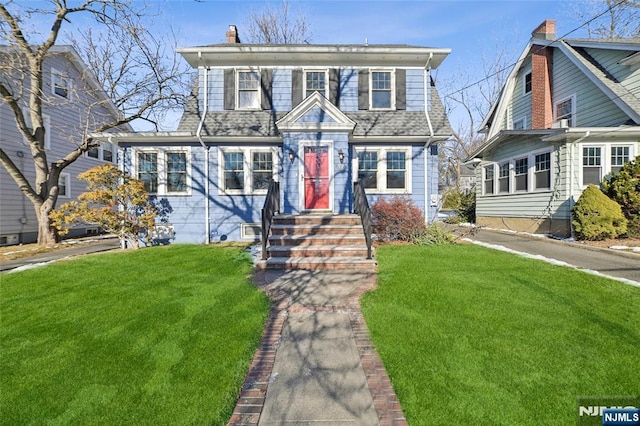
(207, 225)
(427, 70)
(571, 172)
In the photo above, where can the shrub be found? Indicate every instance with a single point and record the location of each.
(435, 234)
(463, 203)
(597, 217)
(397, 219)
(624, 189)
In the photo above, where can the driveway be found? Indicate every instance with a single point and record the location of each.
(605, 261)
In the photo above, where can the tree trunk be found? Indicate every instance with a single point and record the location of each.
(47, 234)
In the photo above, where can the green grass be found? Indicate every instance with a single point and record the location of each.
(475, 336)
(157, 336)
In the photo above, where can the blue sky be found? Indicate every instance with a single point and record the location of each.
(471, 28)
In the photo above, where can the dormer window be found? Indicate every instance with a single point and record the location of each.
(60, 84)
(248, 90)
(315, 81)
(381, 90)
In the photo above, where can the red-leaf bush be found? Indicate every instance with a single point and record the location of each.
(397, 219)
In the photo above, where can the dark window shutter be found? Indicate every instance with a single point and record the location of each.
(334, 86)
(267, 93)
(401, 89)
(296, 87)
(363, 89)
(229, 89)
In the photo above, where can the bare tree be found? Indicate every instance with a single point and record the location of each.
(615, 18)
(469, 95)
(278, 25)
(127, 67)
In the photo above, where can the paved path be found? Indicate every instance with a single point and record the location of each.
(605, 261)
(81, 247)
(316, 363)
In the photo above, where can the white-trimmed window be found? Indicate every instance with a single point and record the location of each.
(248, 90)
(147, 170)
(164, 172)
(315, 81)
(564, 109)
(591, 165)
(382, 83)
(520, 124)
(521, 173)
(104, 152)
(488, 179)
(64, 185)
(504, 178)
(542, 173)
(246, 170)
(619, 156)
(60, 84)
(385, 169)
(526, 86)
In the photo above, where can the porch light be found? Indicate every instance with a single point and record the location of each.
(341, 156)
(292, 156)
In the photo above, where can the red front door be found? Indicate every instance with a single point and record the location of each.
(316, 177)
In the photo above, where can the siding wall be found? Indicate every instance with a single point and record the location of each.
(593, 108)
(68, 118)
(520, 106)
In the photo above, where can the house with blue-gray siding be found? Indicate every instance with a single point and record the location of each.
(314, 118)
(568, 116)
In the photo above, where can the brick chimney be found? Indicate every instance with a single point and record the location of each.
(541, 75)
(232, 34)
(546, 30)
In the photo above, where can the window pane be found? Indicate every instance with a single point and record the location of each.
(381, 89)
(564, 110)
(148, 170)
(619, 155)
(503, 177)
(591, 175)
(233, 170)
(591, 156)
(62, 186)
(176, 172)
(248, 99)
(488, 179)
(107, 155)
(315, 82)
(396, 166)
(248, 93)
(527, 83)
(93, 153)
(368, 168)
(521, 171)
(262, 169)
(60, 86)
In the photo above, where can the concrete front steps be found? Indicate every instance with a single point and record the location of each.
(317, 242)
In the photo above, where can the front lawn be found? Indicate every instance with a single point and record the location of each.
(471, 335)
(157, 336)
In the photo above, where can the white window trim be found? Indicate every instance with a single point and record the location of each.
(247, 164)
(55, 73)
(605, 157)
(392, 71)
(524, 123)
(101, 154)
(326, 81)
(524, 83)
(381, 175)
(162, 167)
(67, 178)
(531, 168)
(572, 98)
(237, 91)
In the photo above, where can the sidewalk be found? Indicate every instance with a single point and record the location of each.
(316, 362)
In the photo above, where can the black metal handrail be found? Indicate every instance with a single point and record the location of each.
(271, 206)
(361, 207)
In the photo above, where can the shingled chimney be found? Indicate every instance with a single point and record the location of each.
(541, 74)
(232, 35)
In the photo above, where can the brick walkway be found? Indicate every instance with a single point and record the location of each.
(254, 391)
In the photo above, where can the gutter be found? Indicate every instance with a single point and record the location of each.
(207, 225)
(427, 203)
